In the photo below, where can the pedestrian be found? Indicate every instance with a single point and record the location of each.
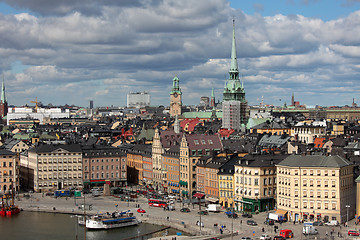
(338, 234)
(221, 231)
(240, 221)
(263, 230)
(294, 222)
(327, 234)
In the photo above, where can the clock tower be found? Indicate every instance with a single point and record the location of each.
(175, 98)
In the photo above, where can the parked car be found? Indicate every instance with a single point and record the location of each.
(332, 223)
(269, 221)
(318, 223)
(203, 212)
(185, 210)
(247, 215)
(251, 222)
(265, 237)
(246, 238)
(279, 238)
(286, 233)
(140, 210)
(353, 233)
(232, 215)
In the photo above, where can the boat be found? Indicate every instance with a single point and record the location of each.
(113, 220)
(8, 208)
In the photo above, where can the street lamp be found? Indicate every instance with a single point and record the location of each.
(347, 214)
(76, 225)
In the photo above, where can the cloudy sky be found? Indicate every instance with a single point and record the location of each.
(73, 51)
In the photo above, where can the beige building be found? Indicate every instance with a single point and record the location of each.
(255, 182)
(192, 148)
(54, 167)
(9, 171)
(307, 133)
(316, 187)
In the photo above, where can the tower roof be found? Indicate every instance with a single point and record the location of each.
(3, 96)
(234, 64)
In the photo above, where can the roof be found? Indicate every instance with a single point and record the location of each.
(273, 140)
(319, 142)
(315, 161)
(202, 141)
(50, 148)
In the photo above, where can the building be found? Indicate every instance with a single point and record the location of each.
(40, 113)
(9, 171)
(103, 164)
(307, 133)
(175, 98)
(204, 101)
(91, 104)
(54, 167)
(255, 182)
(316, 187)
(171, 168)
(234, 105)
(138, 99)
(192, 148)
(3, 102)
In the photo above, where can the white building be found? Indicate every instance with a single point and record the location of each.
(138, 99)
(22, 113)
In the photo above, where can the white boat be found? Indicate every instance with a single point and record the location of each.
(113, 220)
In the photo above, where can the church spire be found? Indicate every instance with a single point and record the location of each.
(3, 97)
(234, 71)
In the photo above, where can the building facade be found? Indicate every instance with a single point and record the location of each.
(138, 99)
(103, 164)
(55, 167)
(192, 148)
(316, 187)
(9, 171)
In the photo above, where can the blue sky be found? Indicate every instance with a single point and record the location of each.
(68, 52)
(323, 9)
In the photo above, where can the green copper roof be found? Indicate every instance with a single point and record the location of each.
(3, 97)
(234, 64)
(176, 87)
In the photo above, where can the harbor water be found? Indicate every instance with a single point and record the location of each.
(44, 226)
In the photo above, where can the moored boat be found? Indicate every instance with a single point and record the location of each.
(113, 220)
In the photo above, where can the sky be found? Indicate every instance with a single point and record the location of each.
(74, 51)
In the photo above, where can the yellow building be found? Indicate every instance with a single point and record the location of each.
(316, 187)
(9, 171)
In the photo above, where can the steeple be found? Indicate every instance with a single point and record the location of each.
(3, 96)
(234, 71)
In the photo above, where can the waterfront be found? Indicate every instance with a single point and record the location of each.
(41, 226)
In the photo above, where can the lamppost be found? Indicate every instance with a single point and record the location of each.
(76, 225)
(347, 214)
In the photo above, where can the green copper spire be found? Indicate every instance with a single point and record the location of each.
(176, 86)
(212, 93)
(234, 64)
(3, 97)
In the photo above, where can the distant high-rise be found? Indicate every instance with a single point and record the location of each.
(91, 104)
(3, 101)
(234, 106)
(175, 98)
(138, 99)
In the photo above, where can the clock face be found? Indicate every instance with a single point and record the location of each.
(175, 95)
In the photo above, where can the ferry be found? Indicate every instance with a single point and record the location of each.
(108, 221)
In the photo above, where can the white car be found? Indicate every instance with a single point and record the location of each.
(265, 237)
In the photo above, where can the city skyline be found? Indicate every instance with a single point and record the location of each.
(69, 53)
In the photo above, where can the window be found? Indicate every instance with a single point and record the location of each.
(196, 142)
(318, 183)
(305, 204)
(256, 182)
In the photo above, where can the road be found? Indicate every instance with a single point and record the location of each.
(176, 219)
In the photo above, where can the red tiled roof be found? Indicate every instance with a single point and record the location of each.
(202, 141)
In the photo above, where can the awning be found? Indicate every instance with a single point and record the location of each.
(243, 202)
(212, 199)
(199, 195)
(281, 212)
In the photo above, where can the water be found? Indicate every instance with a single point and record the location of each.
(44, 226)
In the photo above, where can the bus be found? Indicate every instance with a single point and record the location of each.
(157, 203)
